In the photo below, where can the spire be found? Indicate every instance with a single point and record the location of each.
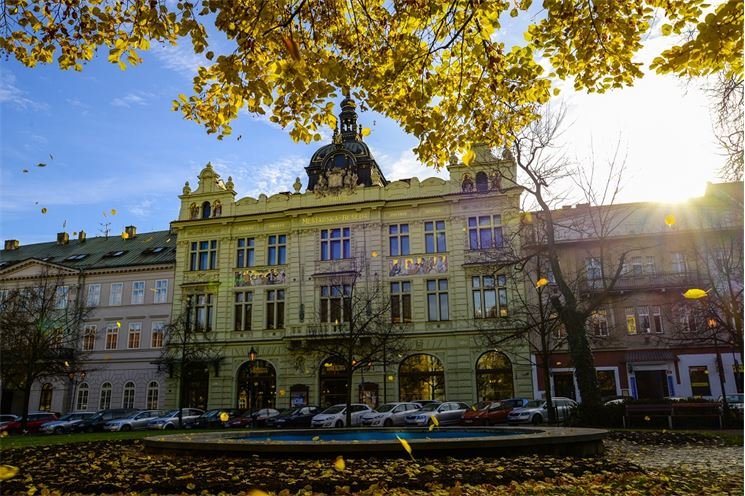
(348, 119)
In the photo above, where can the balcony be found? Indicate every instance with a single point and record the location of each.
(670, 280)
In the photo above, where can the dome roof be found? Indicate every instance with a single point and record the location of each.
(357, 148)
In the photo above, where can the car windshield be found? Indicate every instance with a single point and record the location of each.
(386, 408)
(72, 416)
(734, 398)
(534, 404)
(511, 403)
(171, 413)
(333, 409)
(429, 407)
(482, 405)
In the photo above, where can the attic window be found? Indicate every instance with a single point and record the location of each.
(156, 249)
(3, 264)
(79, 256)
(113, 254)
(47, 259)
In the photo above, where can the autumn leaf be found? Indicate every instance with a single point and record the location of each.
(406, 445)
(669, 220)
(41, 164)
(339, 464)
(468, 157)
(694, 294)
(541, 282)
(7, 472)
(291, 47)
(44, 210)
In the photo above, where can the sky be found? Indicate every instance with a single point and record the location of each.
(114, 153)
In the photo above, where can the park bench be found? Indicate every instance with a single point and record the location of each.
(648, 411)
(672, 411)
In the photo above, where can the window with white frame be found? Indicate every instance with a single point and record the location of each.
(630, 321)
(89, 337)
(138, 292)
(203, 255)
(434, 237)
(637, 266)
(699, 376)
(485, 232)
(115, 296)
(398, 240)
(60, 297)
(644, 323)
(599, 323)
(336, 303)
(678, 262)
(243, 309)
(112, 336)
(104, 402)
(650, 267)
(657, 320)
(275, 309)
(438, 307)
(133, 337)
(161, 291)
(401, 301)
(245, 252)
(688, 320)
(204, 310)
(336, 244)
(82, 401)
(152, 396)
(489, 296)
(156, 336)
(276, 251)
(94, 295)
(128, 396)
(593, 270)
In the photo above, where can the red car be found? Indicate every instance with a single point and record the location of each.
(492, 412)
(35, 420)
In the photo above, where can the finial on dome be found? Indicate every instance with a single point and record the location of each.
(229, 185)
(297, 185)
(187, 188)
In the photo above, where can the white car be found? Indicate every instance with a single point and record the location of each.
(536, 411)
(65, 423)
(336, 416)
(170, 419)
(134, 421)
(389, 414)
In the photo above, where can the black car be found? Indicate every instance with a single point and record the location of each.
(97, 421)
(297, 418)
(215, 418)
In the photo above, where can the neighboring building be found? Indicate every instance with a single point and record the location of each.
(258, 273)
(127, 281)
(649, 341)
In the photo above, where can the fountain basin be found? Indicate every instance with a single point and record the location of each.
(446, 441)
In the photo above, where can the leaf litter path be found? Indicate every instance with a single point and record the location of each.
(632, 465)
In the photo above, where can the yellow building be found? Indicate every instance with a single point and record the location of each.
(255, 272)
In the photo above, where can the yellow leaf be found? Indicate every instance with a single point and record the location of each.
(406, 446)
(331, 120)
(31, 491)
(431, 427)
(190, 486)
(291, 47)
(113, 211)
(44, 210)
(7, 472)
(365, 131)
(125, 235)
(224, 417)
(669, 220)
(435, 421)
(257, 492)
(339, 464)
(316, 438)
(468, 157)
(694, 294)
(541, 282)
(118, 324)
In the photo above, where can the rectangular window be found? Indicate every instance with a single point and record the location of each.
(112, 336)
(434, 237)
(243, 310)
(401, 301)
(607, 383)
(204, 310)
(203, 255)
(336, 244)
(82, 403)
(152, 396)
(161, 291)
(398, 240)
(128, 398)
(133, 338)
(688, 320)
(485, 232)
(484, 292)
(138, 292)
(156, 335)
(244, 256)
(657, 320)
(599, 322)
(699, 376)
(649, 267)
(115, 297)
(89, 337)
(637, 267)
(594, 269)
(275, 309)
(60, 297)
(105, 399)
(678, 262)
(94, 295)
(644, 322)
(438, 307)
(336, 303)
(276, 249)
(630, 321)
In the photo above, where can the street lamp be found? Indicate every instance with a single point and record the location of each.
(251, 360)
(76, 377)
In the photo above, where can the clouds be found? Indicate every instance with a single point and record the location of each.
(131, 99)
(268, 178)
(12, 95)
(180, 59)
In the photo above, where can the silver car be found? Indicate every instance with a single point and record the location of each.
(65, 423)
(389, 414)
(134, 421)
(536, 411)
(170, 419)
(448, 413)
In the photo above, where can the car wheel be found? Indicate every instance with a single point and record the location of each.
(339, 424)
(536, 420)
(388, 423)
(126, 428)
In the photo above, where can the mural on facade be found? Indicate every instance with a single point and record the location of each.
(417, 265)
(259, 278)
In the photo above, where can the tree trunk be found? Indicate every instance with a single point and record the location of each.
(546, 370)
(582, 359)
(350, 378)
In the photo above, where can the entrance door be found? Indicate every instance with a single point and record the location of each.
(564, 385)
(651, 384)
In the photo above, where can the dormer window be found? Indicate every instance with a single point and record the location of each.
(206, 210)
(156, 249)
(113, 254)
(71, 258)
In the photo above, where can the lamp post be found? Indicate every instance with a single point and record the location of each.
(251, 359)
(720, 368)
(76, 377)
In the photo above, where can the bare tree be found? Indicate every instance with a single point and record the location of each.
(726, 95)
(356, 326)
(40, 331)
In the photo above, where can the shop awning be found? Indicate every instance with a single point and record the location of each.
(650, 356)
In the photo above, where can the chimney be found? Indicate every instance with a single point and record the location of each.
(62, 238)
(131, 232)
(81, 236)
(12, 244)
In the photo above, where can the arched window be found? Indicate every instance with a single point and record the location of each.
(206, 210)
(482, 182)
(421, 377)
(104, 401)
(494, 376)
(45, 398)
(82, 402)
(152, 395)
(128, 398)
(257, 385)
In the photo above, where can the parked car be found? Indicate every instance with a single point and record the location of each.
(65, 423)
(447, 413)
(296, 418)
(170, 420)
(492, 412)
(215, 418)
(134, 421)
(336, 415)
(426, 402)
(389, 414)
(734, 402)
(261, 416)
(536, 412)
(95, 423)
(33, 423)
(8, 417)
